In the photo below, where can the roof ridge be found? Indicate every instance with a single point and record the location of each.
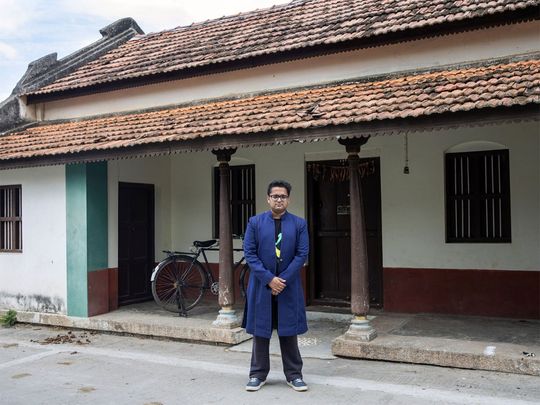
(280, 33)
(47, 69)
(219, 19)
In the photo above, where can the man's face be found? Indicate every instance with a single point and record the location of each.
(278, 200)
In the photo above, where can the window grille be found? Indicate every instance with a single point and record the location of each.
(10, 219)
(478, 197)
(242, 197)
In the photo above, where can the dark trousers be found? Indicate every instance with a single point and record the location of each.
(290, 356)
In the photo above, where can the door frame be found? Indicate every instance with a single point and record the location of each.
(311, 220)
(151, 231)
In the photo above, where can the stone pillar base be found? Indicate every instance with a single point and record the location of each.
(227, 319)
(360, 330)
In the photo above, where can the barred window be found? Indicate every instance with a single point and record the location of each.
(242, 197)
(10, 219)
(478, 197)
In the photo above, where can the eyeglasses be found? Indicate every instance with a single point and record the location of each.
(281, 197)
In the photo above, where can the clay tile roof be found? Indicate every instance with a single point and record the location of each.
(401, 96)
(293, 26)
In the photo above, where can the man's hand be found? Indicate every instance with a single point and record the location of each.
(277, 285)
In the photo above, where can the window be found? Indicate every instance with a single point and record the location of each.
(478, 197)
(242, 197)
(10, 219)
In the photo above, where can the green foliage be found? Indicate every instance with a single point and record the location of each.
(9, 319)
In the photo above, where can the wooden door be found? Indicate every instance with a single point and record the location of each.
(135, 242)
(329, 217)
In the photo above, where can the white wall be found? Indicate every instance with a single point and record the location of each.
(191, 188)
(412, 205)
(450, 49)
(154, 171)
(36, 278)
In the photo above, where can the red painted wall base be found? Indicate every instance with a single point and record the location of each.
(514, 294)
(102, 291)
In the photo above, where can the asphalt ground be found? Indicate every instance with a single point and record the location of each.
(50, 365)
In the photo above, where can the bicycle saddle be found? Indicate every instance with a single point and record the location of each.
(204, 243)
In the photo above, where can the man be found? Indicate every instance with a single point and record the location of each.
(276, 246)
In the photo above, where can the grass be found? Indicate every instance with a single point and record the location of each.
(9, 319)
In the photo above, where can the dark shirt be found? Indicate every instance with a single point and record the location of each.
(277, 224)
(278, 237)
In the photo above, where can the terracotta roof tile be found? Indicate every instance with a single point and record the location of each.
(463, 89)
(292, 26)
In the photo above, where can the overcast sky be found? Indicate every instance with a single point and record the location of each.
(30, 29)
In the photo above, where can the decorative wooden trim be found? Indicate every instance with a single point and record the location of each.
(448, 120)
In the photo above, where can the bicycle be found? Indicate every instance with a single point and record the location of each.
(180, 280)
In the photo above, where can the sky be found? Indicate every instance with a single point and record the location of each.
(30, 29)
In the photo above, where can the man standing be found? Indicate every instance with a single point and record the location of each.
(276, 246)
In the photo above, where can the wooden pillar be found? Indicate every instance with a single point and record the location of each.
(227, 316)
(360, 327)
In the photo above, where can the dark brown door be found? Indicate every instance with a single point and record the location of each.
(135, 242)
(329, 217)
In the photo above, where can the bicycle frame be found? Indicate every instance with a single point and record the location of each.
(192, 257)
(207, 264)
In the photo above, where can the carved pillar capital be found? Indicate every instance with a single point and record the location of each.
(224, 155)
(353, 145)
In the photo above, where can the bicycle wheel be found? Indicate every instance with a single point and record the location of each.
(175, 275)
(244, 280)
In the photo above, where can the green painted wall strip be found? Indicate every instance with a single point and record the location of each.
(87, 229)
(77, 290)
(97, 227)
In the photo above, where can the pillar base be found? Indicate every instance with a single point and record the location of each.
(227, 319)
(360, 330)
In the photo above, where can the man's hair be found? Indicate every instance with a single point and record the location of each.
(279, 183)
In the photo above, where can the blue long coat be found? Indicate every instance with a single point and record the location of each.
(260, 253)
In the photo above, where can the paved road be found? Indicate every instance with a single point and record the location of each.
(40, 365)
